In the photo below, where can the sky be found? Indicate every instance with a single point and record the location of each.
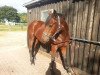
(17, 4)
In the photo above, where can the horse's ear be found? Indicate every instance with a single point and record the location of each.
(54, 12)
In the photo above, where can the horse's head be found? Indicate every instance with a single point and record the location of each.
(53, 23)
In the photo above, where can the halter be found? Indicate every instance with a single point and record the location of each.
(59, 28)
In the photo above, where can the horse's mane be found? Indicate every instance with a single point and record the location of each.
(50, 16)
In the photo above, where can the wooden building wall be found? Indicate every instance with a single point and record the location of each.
(83, 18)
(82, 15)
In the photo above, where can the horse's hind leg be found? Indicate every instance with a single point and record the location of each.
(36, 48)
(30, 40)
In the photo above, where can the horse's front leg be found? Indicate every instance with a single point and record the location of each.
(53, 52)
(64, 58)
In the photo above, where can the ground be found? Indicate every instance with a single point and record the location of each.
(14, 57)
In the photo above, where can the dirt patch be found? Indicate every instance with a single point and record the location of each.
(14, 57)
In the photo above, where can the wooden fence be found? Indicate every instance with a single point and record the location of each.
(83, 18)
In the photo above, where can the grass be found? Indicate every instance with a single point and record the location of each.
(13, 28)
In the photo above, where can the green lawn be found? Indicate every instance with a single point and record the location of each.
(13, 28)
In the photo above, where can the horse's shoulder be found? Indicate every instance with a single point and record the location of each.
(66, 26)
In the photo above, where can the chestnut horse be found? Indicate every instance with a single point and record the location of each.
(54, 31)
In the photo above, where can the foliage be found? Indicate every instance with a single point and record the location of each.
(9, 13)
(23, 17)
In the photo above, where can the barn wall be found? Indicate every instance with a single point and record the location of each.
(36, 12)
(83, 18)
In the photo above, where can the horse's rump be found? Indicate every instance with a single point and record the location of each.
(34, 26)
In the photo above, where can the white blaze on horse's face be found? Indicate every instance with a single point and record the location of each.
(58, 21)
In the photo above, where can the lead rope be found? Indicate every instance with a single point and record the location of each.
(72, 71)
(59, 27)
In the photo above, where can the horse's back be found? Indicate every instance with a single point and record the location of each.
(34, 26)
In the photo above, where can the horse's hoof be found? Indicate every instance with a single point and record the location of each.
(32, 61)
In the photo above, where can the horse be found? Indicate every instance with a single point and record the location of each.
(54, 31)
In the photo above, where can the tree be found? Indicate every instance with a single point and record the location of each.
(23, 17)
(9, 13)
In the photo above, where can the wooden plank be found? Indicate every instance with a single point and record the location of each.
(92, 50)
(69, 18)
(90, 18)
(95, 58)
(65, 8)
(79, 19)
(95, 35)
(74, 32)
(83, 35)
(58, 7)
(34, 14)
(72, 48)
(91, 58)
(96, 20)
(85, 31)
(66, 11)
(79, 45)
(61, 4)
(39, 14)
(86, 55)
(98, 72)
(84, 20)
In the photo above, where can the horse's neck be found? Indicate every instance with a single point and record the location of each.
(64, 34)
